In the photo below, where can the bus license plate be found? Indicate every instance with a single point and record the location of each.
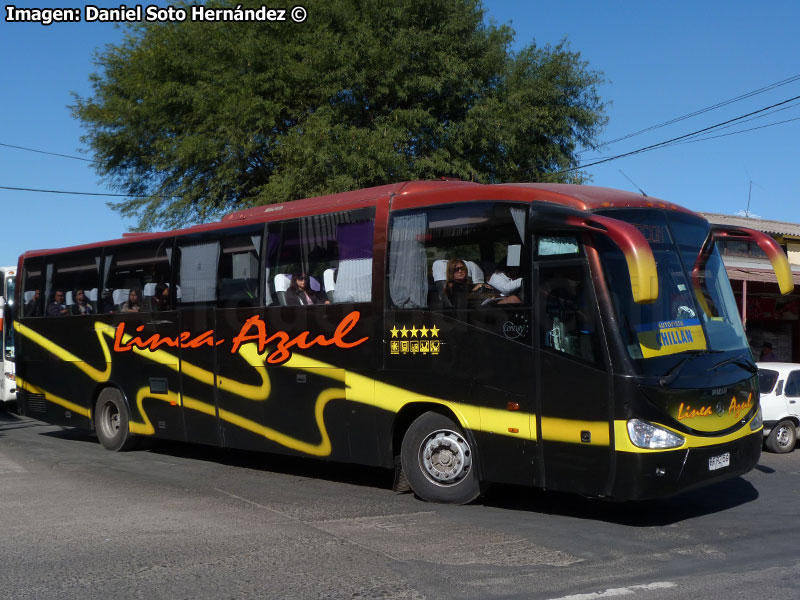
(718, 462)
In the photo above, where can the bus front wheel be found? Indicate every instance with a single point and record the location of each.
(112, 420)
(438, 461)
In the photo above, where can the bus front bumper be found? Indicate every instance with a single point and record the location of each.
(644, 475)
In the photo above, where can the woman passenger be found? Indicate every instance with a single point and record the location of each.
(299, 293)
(458, 284)
(132, 304)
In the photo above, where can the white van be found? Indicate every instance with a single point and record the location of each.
(780, 404)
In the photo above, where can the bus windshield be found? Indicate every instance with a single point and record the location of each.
(695, 311)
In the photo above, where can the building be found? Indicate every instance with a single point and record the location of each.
(767, 316)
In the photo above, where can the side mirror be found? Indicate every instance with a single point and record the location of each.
(775, 254)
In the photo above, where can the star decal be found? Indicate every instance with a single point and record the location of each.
(414, 331)
(394, 330)
(404, 332)
(424, 331)
(434, 331)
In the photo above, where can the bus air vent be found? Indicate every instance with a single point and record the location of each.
(36, 403)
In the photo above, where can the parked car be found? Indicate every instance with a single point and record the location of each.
(780, 404)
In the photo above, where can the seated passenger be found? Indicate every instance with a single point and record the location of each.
(32, 308)
(132, 304)
(300, 293)
(506, 282)
(458, 287)
(107, 302)
(58, 306)
(82, 304)
(161, 297)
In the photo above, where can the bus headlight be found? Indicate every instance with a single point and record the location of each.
(757, 421)
(647, 435)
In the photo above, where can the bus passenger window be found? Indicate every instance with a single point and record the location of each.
(567, 318)
(31, 288)
(72, 284)
(459, 257)
(238, 281)
(133, 275)
(322, 259)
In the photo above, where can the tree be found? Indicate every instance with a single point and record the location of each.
(194, 119)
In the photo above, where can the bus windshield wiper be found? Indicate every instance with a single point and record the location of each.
(670, 375)
(740, 360)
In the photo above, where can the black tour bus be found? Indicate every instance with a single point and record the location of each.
(571, 338)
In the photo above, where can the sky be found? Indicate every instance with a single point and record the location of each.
(660, 61)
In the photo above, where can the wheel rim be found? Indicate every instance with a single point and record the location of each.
(783, 436)
(110, 420)
(445, 457)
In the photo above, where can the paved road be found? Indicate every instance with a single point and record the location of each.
(185, 521)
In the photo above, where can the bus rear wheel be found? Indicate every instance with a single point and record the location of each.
(438, 461)
(782, 438)
(112, 420)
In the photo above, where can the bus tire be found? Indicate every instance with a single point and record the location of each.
(782, 438)
(112, 420)
(438, 461)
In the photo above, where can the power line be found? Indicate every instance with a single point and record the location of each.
(45, 152)
(22, 189)
(744, 96)
(679, 138)
(744, 120)
(762, 116)
(713, 137)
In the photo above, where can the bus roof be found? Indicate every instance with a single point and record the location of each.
(412, 194)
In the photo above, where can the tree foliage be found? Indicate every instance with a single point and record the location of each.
(194, 119)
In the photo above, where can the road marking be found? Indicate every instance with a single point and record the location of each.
(623, 591)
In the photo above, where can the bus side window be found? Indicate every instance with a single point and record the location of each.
(459, 258)
(32, 298)
(321, 259)
(77, 277)
(238, 271)
(135, 277)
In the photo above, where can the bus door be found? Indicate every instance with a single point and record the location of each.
(141, 323)
(243, 386)
(321, 316)
(196, 297)
(7, 384)
(573, 396)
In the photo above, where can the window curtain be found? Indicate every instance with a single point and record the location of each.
(408, 276)
(354, 278)
(199, 272)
